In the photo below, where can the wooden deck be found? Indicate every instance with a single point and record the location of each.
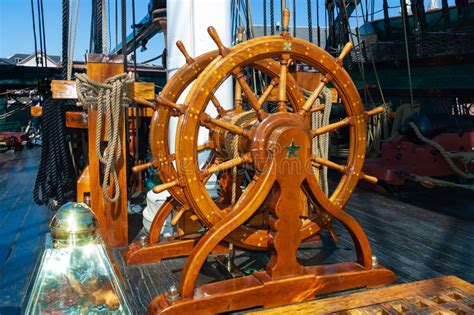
(419, 234)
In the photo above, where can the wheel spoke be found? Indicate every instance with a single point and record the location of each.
(262, 99)
(246, 158)
(206, 120)
(312, 98)
(238, 98)
(165, 102)
(282, 87)
(220, 110)
(160, 188)
(343, 169)
(250, 96)
(331, 127)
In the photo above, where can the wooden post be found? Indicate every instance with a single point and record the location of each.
(112, 216)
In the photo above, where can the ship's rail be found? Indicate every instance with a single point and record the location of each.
(425, 45)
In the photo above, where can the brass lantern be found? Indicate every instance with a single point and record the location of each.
(76, 275)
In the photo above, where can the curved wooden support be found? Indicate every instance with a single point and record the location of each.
(361, 242)
(159, 220)
(138, 253)
(236, 217)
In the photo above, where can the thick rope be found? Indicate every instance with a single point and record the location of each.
(231, 143)
(431, 182)
(272, 17)
(65, 38)
(104, 28)
(320, 144)
(72, 38)
(310, 21)
(465, 157)
(55, 180)
(377, 130)
(109, 98)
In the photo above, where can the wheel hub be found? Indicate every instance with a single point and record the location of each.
(285, 136)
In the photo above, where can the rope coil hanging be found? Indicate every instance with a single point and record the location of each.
(320, 144)
(109, 98)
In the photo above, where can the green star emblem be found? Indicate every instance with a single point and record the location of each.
(287, 46)
(292, 149)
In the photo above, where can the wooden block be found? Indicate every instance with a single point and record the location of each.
(36, 111)
(144, 90)
(76, 120)
(143, 112)
(420, 297)
(63, 89)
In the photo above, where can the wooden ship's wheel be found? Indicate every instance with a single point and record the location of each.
(163, 159)
(274, 148)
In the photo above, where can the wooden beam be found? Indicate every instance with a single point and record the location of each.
(66, 90)
(113, 222)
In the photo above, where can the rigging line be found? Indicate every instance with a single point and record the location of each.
(310, 22)
(40, 28)
(124, 36)
(361, 62)
(104, 27)
(152, 59)
(116, 25)
(326, 28)
(134, 40)
(34, 38)
(92, 28)
(98, 31)
(109, 24)
(264, 17)
(44, 36)
(65, 38)
(73, 41)
(294, 18)
(272, 17)
(404, 11)
(40, 35)
(379, 86)
(137, 120)
(67, 50)
(247, 18)
(318, 25)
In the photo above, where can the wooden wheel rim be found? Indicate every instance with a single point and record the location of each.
(214, 75)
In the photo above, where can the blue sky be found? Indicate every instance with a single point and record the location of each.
(16, 35)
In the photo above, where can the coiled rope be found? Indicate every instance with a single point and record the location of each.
(231, 144)
(109, 98)
(55, 180)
